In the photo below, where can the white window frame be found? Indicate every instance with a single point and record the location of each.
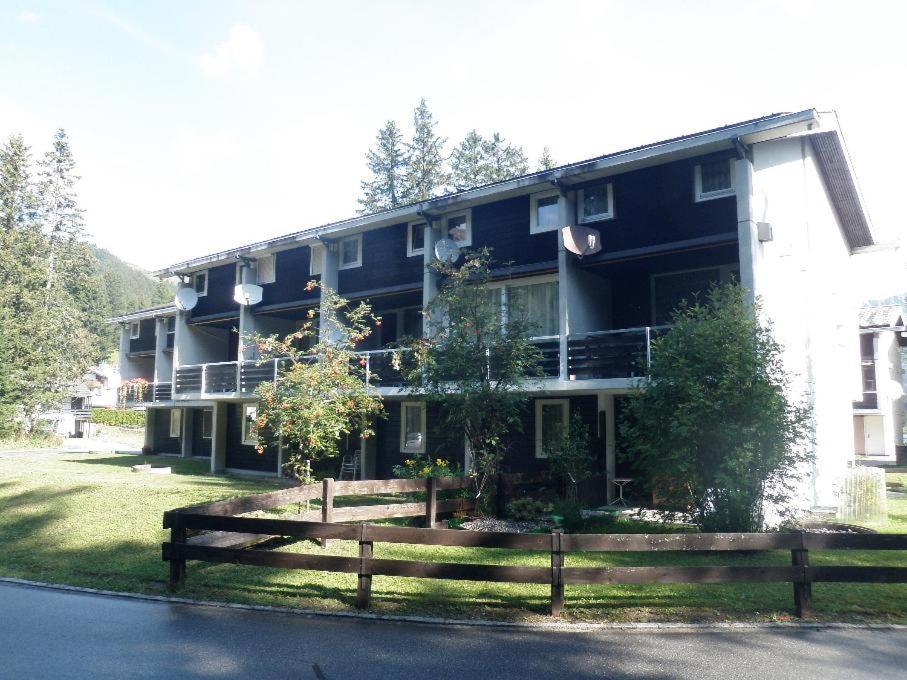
(725, 271)
(410, 251)
(421, 406)
(699, 196)
(271, 261)
(135, 330)
(248, 440)
(582, 218)
(204, 291)
(467, 242)
(534, 227)
(206, 411)
(539, 435)
(315, 255)
(358, 260)
(176, 422)
(515, 283)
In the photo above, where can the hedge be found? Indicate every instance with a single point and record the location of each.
(109, 416)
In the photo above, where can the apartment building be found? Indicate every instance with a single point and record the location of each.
(771, 202)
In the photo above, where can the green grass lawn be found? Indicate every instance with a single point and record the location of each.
(86, 519)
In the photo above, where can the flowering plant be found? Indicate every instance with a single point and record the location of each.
(420, 466)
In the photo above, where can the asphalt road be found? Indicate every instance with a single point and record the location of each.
(53, 634)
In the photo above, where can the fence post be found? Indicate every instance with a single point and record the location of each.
(327, 504)
(500, 495)
(557, 576)
(431, 502)
(364, 588)
(177, 536)
(803, 591)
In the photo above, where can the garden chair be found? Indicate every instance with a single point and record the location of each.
(349, 464)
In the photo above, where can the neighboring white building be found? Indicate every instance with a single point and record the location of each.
(98, 388)
(878, 417)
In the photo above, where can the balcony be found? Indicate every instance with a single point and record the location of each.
(604, 355)
(870, 402)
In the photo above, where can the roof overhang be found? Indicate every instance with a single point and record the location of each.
(728, 137)
(150, 313)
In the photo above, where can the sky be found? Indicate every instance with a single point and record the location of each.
(203, 125)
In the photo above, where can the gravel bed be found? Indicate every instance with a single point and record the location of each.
(506, 525)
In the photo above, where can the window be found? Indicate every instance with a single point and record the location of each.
(176, 421)
(869, 377)
(459, 228)
(713, 179)
(171, 324)
(596, 202)
(412, 322)
(544, 214)
(200, 282)
(250, 424)
(315, 254)
(415, 238)
(670, 290)
(135, 330)
(550, 420)
(536, 302)
(207, 423)
(351, 252)
(412, 427)
(266, 268)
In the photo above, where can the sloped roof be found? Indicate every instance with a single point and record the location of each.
(881, 316)
(168, 309)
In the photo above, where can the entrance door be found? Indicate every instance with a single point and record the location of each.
(873, 436)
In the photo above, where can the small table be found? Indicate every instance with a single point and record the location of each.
(620, 483)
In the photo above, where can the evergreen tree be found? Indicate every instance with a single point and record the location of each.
(546, 160)
(387, 164)
(479, 160)
(60, 215)
(17, 198)
(425, 175)
(467, 162)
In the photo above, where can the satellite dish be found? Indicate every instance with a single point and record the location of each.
(582, 240)
(247, 294)
(186, 299)
(447, 250)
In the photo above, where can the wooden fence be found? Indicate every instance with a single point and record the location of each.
(232, 535)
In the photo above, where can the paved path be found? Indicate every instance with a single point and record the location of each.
(52, 634)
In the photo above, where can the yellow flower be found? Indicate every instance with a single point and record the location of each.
(440, 463)
(426, 470)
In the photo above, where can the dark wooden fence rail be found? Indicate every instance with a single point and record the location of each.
(216, 518)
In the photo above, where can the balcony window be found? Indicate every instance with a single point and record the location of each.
(200, 282)
(266, 270)
(672, 289)
(459, 228)
(714, 179)
(412, 322)
(596, 202)
(315, 254)
(135, 330)
(250, 424)
(351, 252)
(869, 377)
(207, 423)
(544, 214)
(176, 422)
(415, 238)
(534, 302)
(550, 421)
(412, 427)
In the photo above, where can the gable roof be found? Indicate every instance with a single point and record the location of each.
(881, 316)
(772, 126)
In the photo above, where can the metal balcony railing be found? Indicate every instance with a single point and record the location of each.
(620, 353)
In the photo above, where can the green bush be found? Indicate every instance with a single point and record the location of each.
(9, 425)
(118, 418)
(569, 515)
(525, 509)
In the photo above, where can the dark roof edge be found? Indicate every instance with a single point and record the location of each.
(754, 130)
(147, 313)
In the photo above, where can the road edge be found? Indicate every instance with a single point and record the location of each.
(440, 621)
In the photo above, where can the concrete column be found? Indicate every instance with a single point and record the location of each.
(566, 205)
(126, 371)
(330, 262)
(149, 427)
(219, 437)
(606, 405)
(181, 331)
(160, 344)
(186, 435)
(430, 277)
(247, 321)
(747, 229)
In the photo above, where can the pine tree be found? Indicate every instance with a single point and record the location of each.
(60, 215)
(17, 198)
(467, 162)
(504, 160)
(387, 164)
(425, 175)
(546, 160)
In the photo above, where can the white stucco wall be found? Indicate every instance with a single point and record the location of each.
(803, 280)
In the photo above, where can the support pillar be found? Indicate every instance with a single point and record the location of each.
(150, 419)
(219, 437)
(186, 435)
(566, 205)
(431, 236)
(160, 344)
(330, 263)
(247, 321)
(747, 229)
